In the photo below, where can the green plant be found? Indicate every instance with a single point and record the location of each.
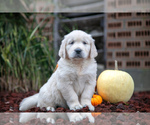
(26, 62)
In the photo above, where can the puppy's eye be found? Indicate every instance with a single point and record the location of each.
(72, 42)
(84, 43)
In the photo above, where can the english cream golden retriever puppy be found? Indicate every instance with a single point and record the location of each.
(72, 84)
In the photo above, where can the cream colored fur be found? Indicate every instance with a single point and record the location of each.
(72, 84)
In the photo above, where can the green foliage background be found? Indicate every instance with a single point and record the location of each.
(26, 60)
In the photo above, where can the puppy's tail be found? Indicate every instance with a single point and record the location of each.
(29, 102)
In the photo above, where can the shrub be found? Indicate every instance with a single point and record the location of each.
(26, 62)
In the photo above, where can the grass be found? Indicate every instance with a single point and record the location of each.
(26, 62)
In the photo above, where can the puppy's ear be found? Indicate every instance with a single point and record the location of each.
(93, 51)
(62, 50)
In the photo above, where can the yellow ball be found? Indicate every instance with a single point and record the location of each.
(115, 86)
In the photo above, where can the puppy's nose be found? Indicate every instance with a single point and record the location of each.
(78, 51)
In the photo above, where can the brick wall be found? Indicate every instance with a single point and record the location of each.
(128, 40)
(127, 6)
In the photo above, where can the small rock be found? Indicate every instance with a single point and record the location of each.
(120, 106)
(112, 107)
(7, 102)
(131, 105)
(60, 109)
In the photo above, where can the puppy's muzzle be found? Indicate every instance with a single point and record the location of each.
(78, 52)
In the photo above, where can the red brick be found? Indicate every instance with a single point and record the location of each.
(111, 15)
(124, 34)
(114, 44)
(147, 64)
(133, 64)
(133, 44)
(111, 35)
(111, 64)
(122, 54)
(137, 23)
(147, 43)
(142, 33)
(147, 23)
(109, 54)
(124, 15)
(139, 14)
(141, 53)
(114, 25)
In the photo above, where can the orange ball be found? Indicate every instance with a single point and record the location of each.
(96, 100)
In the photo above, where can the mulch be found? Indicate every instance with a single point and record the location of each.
(140, 102)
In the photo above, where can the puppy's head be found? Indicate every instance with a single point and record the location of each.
(78, 45)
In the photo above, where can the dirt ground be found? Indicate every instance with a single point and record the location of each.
(140, 102)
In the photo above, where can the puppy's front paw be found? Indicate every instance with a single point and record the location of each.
(74, 117)
(87, 102)
(76, 106)
(50, 120)
(50, 109)
(89, 116)
(91, 107)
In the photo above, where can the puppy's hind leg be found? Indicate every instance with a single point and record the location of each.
(46, 99)
(48, 107)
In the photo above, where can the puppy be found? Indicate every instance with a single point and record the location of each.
(72, 84)
(52, 117)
